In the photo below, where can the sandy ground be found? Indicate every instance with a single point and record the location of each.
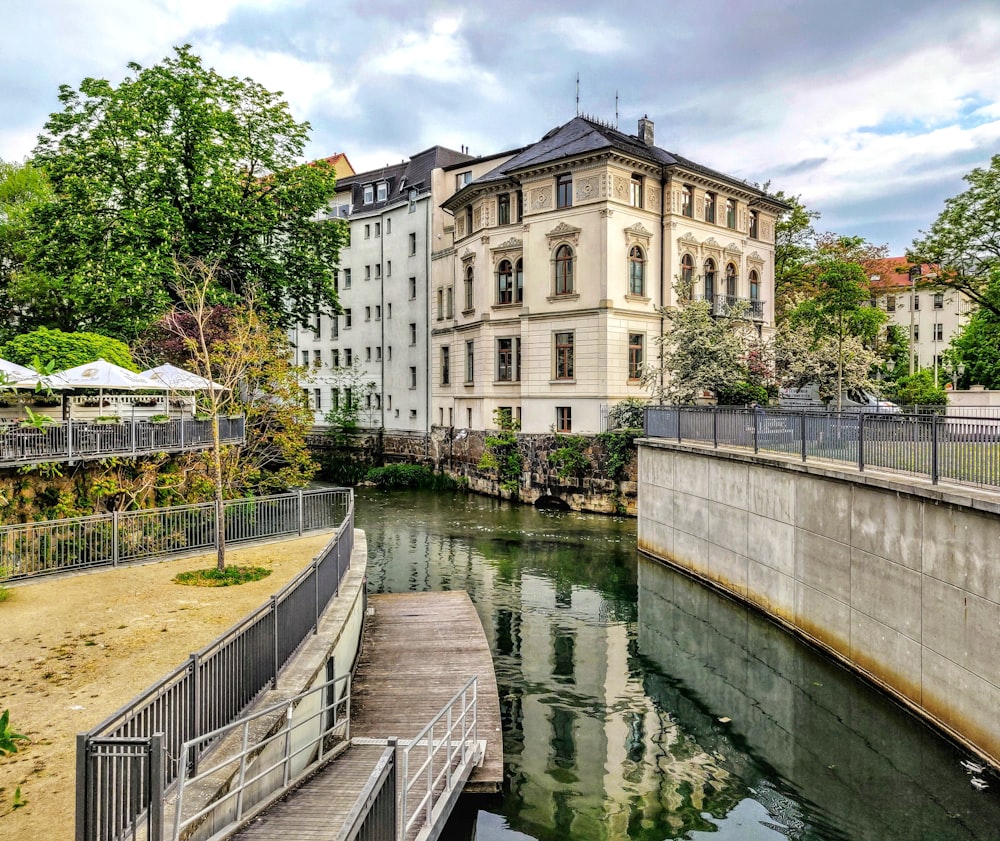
(80, 647)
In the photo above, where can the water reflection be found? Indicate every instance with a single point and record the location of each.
(636, 704)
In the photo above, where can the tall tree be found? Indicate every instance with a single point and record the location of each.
(22, 188)
(836, 319)
(964, 241)
(794, 250)
(976, 349)
(176, 163)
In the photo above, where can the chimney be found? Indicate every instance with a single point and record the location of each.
(646, 130)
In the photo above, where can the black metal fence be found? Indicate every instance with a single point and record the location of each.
(954, 448)
(51, 546)
(117, 759)
(79, 441)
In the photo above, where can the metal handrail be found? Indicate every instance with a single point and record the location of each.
(53, 546)
(210, 689)
(964, 449)
(81, 441)
(466, 723)
(248, 765)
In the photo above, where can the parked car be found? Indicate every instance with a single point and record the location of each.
(852, 400)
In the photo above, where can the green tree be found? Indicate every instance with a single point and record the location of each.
(976, 348)
(177, 163)
(700, 352)
(964, 241)
(66, 350)
(22, 188)
(794, 250)
(835, 325)
(353, 404)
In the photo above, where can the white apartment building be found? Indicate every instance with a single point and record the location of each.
(547, 295)
(382, 334)
(929, 315)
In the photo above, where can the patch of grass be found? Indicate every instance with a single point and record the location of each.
(5, 593)
(231, 576)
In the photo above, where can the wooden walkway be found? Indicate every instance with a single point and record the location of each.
(419, 650)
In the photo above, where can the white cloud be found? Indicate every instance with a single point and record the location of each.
(307, 86)
(587, 35)
(438, 55)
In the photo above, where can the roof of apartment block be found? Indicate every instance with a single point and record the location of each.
(400, 178)
(584, 135)
(894, 272)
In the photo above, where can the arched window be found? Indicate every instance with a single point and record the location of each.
(687, 274)
(505, 282)
(519, 282)
(731, 280)
(564, 270)
(756, 305)
(710, 281)
(636, 271)
(469, 281)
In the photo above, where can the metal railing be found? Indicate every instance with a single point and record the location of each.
(244, 771)
(51, 546)
(205, 693)
(438, 760)
(80, 441)
(952, 448)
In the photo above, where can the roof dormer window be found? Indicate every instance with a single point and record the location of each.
(383, 191)
(369, 193)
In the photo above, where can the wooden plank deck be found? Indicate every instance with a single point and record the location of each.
(316, 810)
(419, 649)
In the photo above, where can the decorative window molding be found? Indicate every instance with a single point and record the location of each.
(510, 249)
(564, 233)
(637, 235)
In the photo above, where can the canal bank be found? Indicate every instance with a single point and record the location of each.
(894, 576)
(639, 704)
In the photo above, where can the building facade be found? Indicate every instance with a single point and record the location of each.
(547, 303)
(929, 315)
(376, 351)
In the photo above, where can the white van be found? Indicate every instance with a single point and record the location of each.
(852, 400)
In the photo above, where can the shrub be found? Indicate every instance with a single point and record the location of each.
(569, 457)
(227, 577)
(627, 414)
(502, 455)
(742, 394)
(66, 350)
(408, 476)
(620, 448)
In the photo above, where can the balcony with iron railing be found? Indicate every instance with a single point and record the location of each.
(733, 306)
(23, 443)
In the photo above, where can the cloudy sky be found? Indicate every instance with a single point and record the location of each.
(872, 110)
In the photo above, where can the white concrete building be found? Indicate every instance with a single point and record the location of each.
(929, 315)
(380, 343)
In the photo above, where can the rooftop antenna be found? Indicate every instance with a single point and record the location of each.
(616, 110)
(578, 94)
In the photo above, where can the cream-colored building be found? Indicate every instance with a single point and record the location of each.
(930, 315)
(555, 262)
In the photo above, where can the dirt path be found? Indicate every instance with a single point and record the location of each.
(79, 648)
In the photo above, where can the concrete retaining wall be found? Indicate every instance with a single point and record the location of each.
(898, 578)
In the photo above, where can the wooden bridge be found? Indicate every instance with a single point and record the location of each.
(425, 658)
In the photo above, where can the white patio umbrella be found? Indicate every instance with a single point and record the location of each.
(12, 372)
(177, 379)
(102, 375)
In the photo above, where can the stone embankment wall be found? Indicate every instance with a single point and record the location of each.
(457, 453)
(897, 578)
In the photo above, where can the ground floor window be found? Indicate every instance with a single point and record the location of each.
(564, 418)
